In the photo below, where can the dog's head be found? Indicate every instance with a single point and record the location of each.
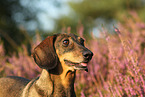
(68, 49)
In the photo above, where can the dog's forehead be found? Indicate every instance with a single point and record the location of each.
(65, 35)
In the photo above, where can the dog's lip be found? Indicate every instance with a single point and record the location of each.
(77, 66)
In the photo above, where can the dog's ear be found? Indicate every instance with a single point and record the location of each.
(44, 54)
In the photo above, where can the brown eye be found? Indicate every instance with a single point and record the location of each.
(66, 42)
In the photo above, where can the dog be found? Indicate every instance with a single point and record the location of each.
(59, 56)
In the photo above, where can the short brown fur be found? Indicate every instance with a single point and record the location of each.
(59, 56)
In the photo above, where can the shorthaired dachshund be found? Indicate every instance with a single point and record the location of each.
(59, 56)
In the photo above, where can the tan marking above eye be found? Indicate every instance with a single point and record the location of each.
(79, 38)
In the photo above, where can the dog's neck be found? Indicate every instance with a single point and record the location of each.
(60, 80)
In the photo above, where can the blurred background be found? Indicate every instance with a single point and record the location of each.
(21, 19)
(25, 23)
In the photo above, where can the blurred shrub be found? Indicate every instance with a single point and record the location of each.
(117, 67)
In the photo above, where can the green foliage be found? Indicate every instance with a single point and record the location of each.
(97, 8)
(11, 34)
(106, 8)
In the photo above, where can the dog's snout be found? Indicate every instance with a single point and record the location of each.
(87, 55)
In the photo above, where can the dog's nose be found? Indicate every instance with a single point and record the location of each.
(87, 55)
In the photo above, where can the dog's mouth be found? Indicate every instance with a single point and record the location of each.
(77, 66)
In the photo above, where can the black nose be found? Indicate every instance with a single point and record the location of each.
(87, 55)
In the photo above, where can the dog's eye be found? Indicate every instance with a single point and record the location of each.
(66, 42)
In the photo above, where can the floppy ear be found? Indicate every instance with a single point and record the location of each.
(44, 54)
